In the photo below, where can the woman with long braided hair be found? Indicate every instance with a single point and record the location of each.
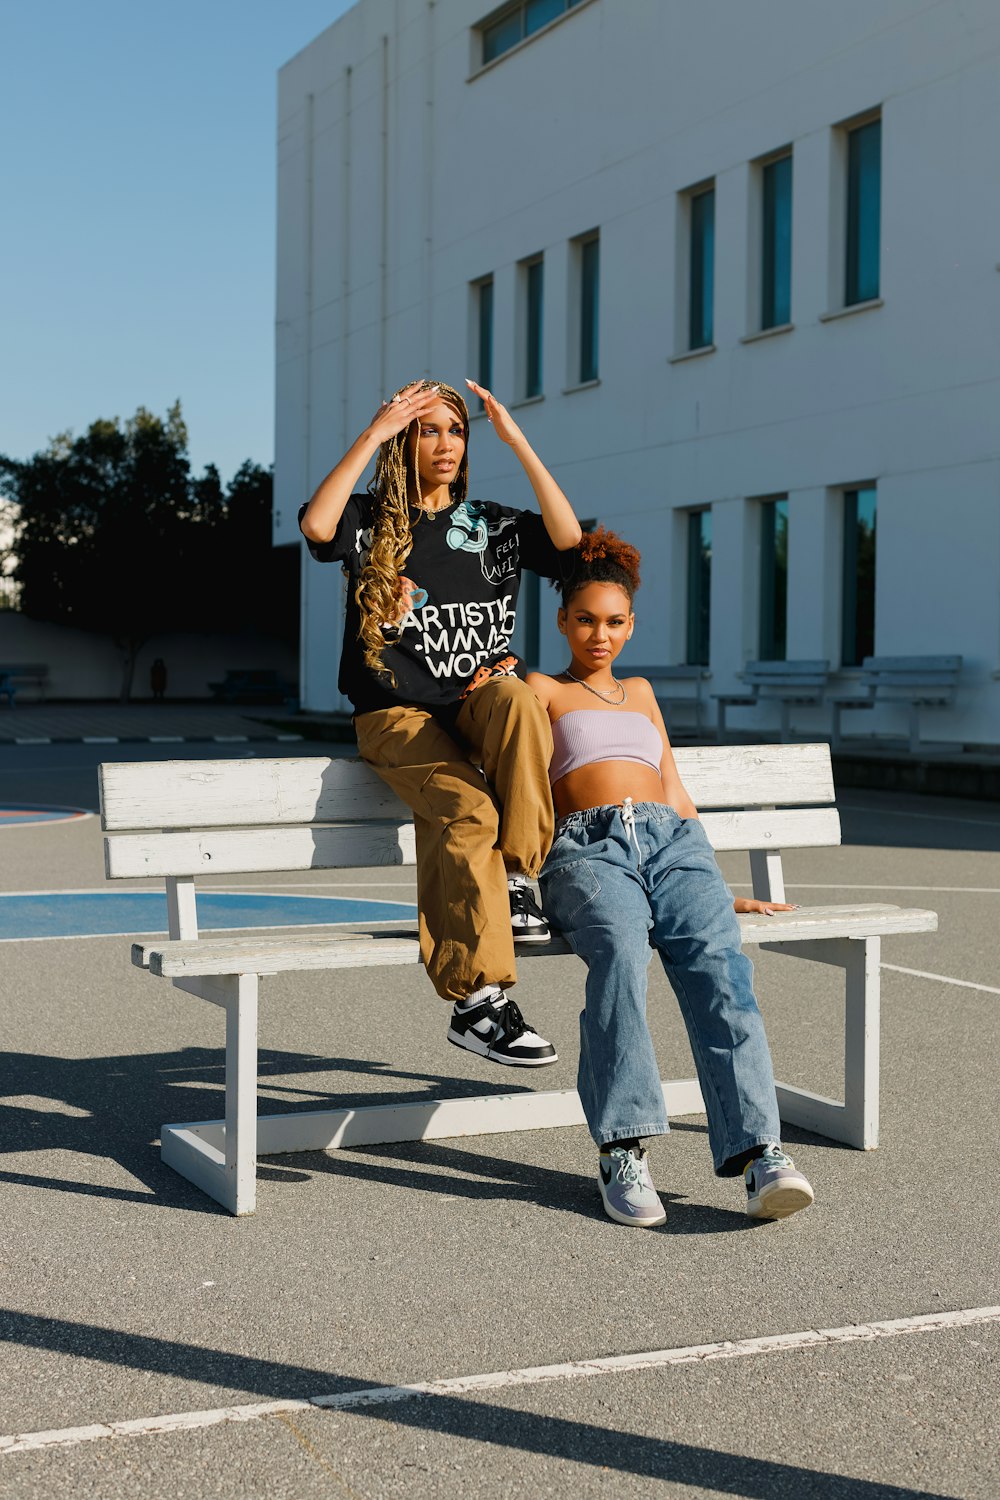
(631, 869)
(442, 712)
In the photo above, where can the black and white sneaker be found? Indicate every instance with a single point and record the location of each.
(526, 917)
(496, 1029)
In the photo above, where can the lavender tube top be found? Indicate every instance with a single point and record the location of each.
(587, 734)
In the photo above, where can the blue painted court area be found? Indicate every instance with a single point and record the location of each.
(18, 815)
(60, 914)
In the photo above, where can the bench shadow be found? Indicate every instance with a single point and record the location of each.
(604, 1447)
(111, 1108)
(455, 1173)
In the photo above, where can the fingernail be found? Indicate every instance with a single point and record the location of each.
(467, 380)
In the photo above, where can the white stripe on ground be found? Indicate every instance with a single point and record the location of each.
(829, 885)
(963, 984)
(41, 740)
(467, 1385)
(99, 739)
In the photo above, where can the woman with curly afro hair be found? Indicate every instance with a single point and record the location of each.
(631, 868)
(442, 711)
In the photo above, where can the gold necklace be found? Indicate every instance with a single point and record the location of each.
(603, 696)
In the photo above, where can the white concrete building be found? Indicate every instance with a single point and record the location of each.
(735, 268)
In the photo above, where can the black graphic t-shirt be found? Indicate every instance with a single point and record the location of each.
(459, 596)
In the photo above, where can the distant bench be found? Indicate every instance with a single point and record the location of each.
(16, 675)
(916, 682)
(674, 687)
(784, 682)
(253, 685)
(178, 819)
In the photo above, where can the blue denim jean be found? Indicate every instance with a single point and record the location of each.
(618, 881)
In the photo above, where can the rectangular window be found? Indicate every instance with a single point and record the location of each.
(518, 21)
(590, 268)
(773, 579)
(858, 611)
(484, 334)
(699, 586)
(702, 274)
(776, 246)
(864, 201)
(534, 284)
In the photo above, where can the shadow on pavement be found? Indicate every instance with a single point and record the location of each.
(112, 1108)
(608, 1448)
(900, 820)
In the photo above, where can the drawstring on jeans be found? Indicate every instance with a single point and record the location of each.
(628, 819)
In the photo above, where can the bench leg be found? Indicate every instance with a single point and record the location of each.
(914, 728)
(836, 728)
(721, 728)
(855, 1121)
(786, 722)
(220, 1156)
(241, 1095)
(861, 1041)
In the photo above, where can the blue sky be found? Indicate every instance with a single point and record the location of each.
(137, 184)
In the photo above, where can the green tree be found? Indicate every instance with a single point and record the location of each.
(115, 535)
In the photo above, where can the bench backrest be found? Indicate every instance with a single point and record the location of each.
(680, 673)
(786, 674)
(187, 818)
(911, 671)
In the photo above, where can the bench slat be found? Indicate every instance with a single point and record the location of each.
(221, 793)
(253, 954)
(230, 851)
(251, 850)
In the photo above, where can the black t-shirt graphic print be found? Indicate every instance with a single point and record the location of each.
(459, 599)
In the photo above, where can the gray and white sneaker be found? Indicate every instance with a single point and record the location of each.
(527, 919)
(627, 1190)
(495, 1028)
(775, 1187)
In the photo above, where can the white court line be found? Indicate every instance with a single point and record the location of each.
(499, 1380)
(963, 984)
(827, 885)
(285, 929)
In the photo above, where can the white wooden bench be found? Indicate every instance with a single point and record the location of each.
(914, 682)
(784, 682)
(177, 820)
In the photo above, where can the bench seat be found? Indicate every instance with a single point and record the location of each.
(282, 955)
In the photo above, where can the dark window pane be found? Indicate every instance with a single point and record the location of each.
(864, 194)
(776, 291)
(699, 587)
(533, 363)
(538, 13)
(702, 269)
(590, 261)
(858, 603)
(502, 35)
(773, 580)
(485, 372)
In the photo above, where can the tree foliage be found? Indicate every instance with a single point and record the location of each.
(116, 535)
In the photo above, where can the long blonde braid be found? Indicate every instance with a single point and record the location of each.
(378, 590)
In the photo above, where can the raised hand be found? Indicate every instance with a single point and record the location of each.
(412, 404)
(504, 425)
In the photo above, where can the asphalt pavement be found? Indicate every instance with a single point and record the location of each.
(130, 1298)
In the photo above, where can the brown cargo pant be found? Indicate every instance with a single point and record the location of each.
(470, 832)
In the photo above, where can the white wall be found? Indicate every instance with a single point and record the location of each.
(82, 665)
(402, 179)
